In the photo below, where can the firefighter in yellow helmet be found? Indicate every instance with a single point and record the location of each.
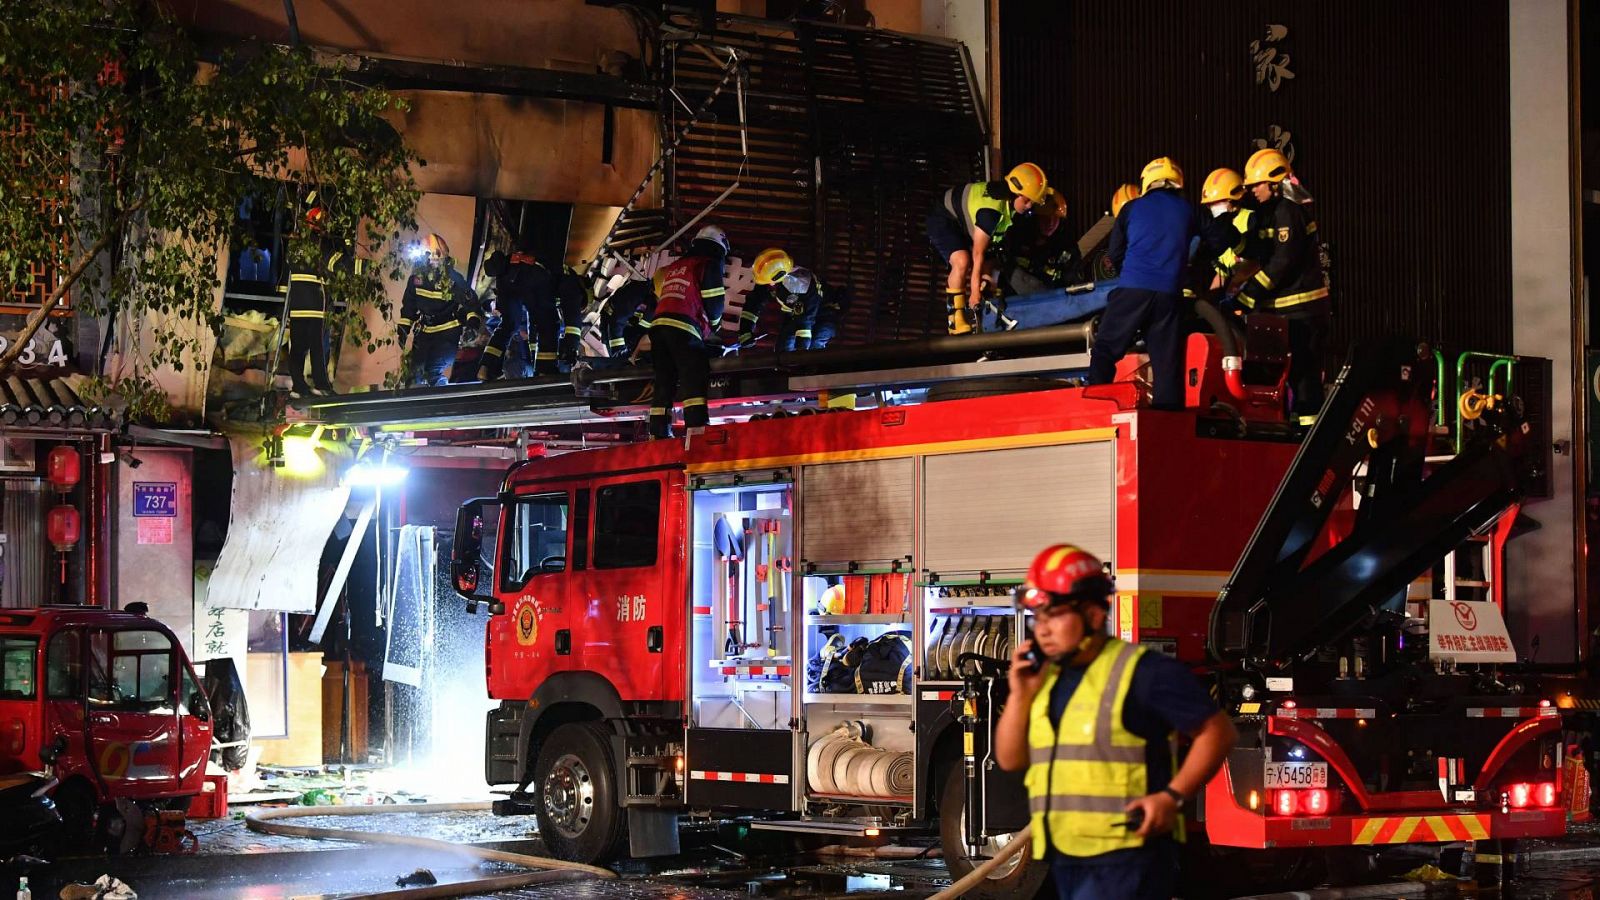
(1091, 776)
(1149, 247)
(436, 305)
(1226, 228)
(966, 222)
(1120, 199)
(1292, 281)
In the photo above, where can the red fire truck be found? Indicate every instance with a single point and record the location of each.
(664, 616)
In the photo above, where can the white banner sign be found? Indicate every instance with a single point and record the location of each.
(1468, 632)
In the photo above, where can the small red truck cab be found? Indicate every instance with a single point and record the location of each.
(115, 693)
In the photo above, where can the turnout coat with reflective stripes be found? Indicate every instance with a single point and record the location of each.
(1291, 279)
(1082, 774)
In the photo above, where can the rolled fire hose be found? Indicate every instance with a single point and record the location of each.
(841, 763)
(264, 821)
(981, 873)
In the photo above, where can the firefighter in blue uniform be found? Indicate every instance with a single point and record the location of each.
(1150, 249)
(436, 305)
(524, 287)
(573, 297)
(1091, 773)
(1292, 281)
(684, 331)
(312, 264)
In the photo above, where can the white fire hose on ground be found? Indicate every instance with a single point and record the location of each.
(1018, 844)
(265, 821)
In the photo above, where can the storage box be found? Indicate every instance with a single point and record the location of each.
(212, 801)
(890, 593)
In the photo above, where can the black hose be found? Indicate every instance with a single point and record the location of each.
(1228, 333)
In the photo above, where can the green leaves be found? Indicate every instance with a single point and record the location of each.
(110, 119)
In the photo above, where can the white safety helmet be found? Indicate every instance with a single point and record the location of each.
(798, 282)
(715, 235)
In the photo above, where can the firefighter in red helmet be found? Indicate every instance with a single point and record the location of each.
(1105, 791)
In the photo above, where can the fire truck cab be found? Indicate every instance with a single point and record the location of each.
(668, 620)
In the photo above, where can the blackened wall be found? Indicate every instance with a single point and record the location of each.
(1397, 114)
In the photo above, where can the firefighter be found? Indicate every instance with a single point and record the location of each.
(1291, 281)
(626, 320)
(831, 310)
(1226, 231)
(437, 303)
(311, 266)
(1150, 249)
(572, 297)
(798, 294)
(684, 330)
(966, 222)
(1089, 772)
(524, 287)
(1040, 254)
(1121, 196)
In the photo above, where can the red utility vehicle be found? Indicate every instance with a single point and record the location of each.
(114, 694)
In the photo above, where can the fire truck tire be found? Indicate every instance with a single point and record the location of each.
(576, 787)
(1023, 879)
(989, 387)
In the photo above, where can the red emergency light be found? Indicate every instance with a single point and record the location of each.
(1523, 795)
(1302, 802)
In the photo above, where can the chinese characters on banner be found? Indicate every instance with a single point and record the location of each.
(218, 632)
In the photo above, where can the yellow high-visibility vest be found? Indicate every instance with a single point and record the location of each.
(1082, 775)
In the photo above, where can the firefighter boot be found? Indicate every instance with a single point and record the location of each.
(955, 306)
(567, 355)
(966, 320)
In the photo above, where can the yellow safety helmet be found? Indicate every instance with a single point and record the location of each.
(1027, 180)
(434, 249)
(771, 265)
(1122, 196)
(1266, 165)
(1160, 169)
(1221, 184)
(832, 601)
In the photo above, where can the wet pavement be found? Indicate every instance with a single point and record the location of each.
(235, 862)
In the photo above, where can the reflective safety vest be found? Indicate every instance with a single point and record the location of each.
(965, 202)
(1082, 775)
(1230, 257)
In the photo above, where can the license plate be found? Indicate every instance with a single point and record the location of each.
(1296, 775)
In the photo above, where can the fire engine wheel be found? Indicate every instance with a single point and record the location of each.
(1021, 876)
(579, 818)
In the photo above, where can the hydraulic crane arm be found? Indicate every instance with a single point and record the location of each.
(1285, 599)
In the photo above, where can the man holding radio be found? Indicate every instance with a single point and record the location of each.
(1092, 719)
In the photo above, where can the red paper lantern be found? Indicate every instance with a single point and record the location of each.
(62, 527)
(62, 468)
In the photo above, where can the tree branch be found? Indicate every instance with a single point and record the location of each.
(36, 319)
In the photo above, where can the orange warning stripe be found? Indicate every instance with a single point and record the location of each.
(1405, 829)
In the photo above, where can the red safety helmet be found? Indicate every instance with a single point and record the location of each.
(1064, 574)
